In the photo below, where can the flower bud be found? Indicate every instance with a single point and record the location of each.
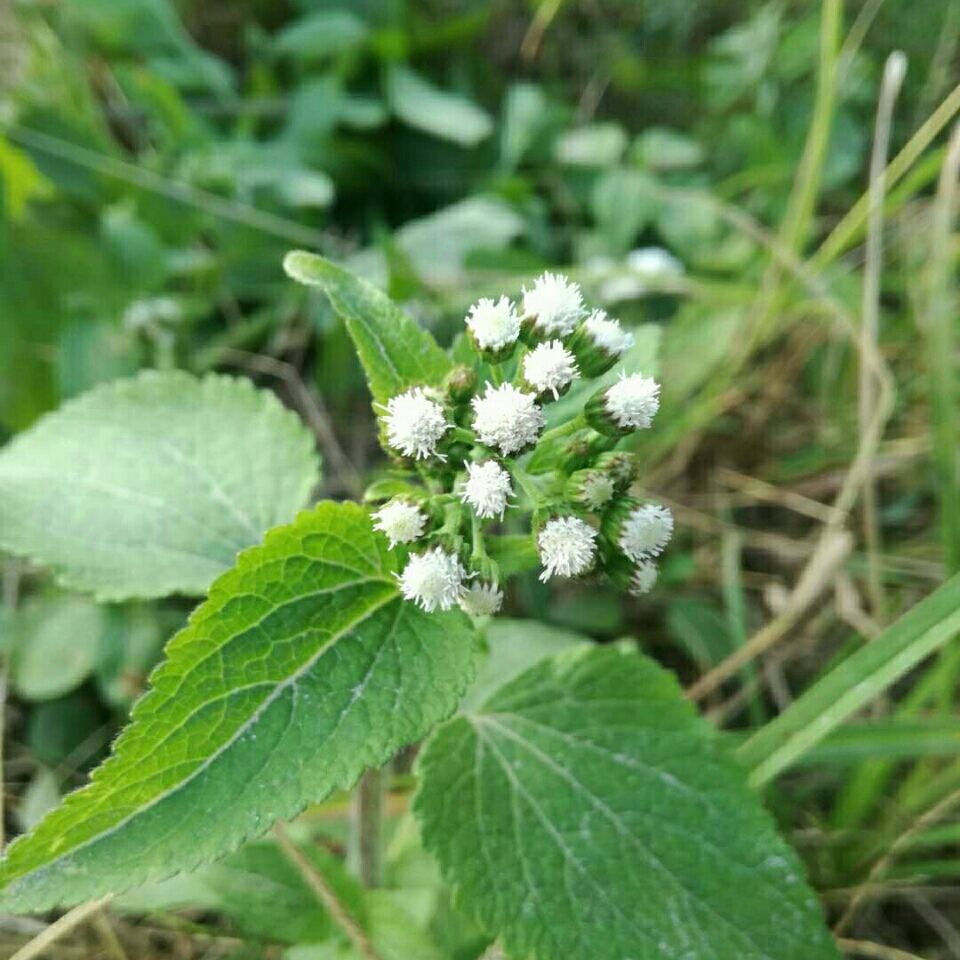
(459, 384)
(481, 599)
(576, 454)
(620, 466)
(591, 489)
(629, 404)
(598, 343)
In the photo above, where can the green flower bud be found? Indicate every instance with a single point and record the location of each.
(598, 343)
(591, 489)
(459, 384)
(627, 405)
(620, 466)
(638, 530)
(576, 454)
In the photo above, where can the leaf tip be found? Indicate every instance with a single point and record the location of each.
(303, 266)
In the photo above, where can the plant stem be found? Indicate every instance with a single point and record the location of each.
(367, 835)
(326, 895)
(870, 322)
(529, 486)
(60, 928)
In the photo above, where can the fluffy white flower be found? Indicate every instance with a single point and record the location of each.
(494, 325)
(434, 580)
(550, 366)
(567, 547)
(481, 599)
(555, 304)
(644, 577)
(487, 489)
(633, 401)
(401, 521)
(607, 333)
(507, 418)
(415, 423)
(654, 262)
(646, 531)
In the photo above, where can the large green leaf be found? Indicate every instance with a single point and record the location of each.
(394, 351)
(302, 668)
(151, 486)
(586, 811)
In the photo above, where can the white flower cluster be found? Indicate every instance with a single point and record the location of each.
(469, 436)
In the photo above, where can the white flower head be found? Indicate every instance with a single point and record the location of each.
(633, 401)
(494, 325)
(607, 333)
(487, 489)
(481, 599)
(567, 547)
(434, 579)
(555, 304)
(401, 521)
(646, 531)
(507, 418)
(415, 423)
(550, 366)
(644, 577)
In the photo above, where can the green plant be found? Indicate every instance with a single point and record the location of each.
(582, 808)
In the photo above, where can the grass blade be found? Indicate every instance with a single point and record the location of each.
(854, 683)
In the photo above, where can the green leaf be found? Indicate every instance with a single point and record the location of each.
(852, 684)
(394, 351)
(152, 485)
(449, 116)
(586, 811)
(260, 890)
(56, 645)
(302, 668)
(513, 646)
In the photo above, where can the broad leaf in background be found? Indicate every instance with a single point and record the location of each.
(438, 245)
(586, 811)
(260, 890)
(394, 351)
(56, 644)
(303, 668)
(151, 486)
(449, 116)
(512, 647)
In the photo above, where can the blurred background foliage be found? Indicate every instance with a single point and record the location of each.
(157, 158)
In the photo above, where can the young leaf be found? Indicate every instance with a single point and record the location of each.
(302, 668)
(152, 485)
(586, 811)
(394, 351)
